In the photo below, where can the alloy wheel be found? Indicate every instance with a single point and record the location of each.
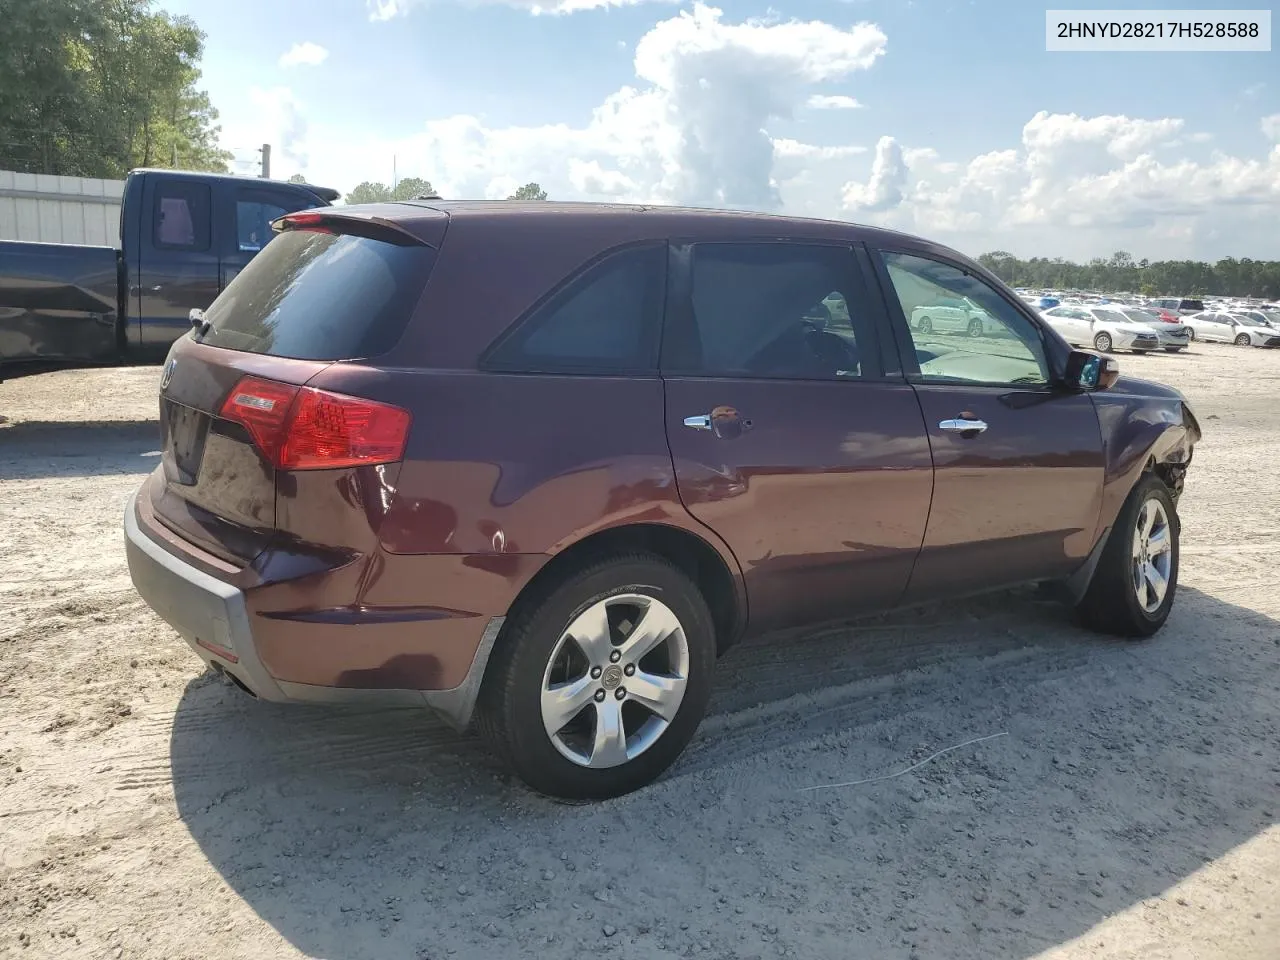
(615, 680)
(1152, 555)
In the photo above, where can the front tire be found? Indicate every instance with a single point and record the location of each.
(1102, 343)
(975, 327)
(1133, 586)
(595, 690)
(1243, 340)
(926, 325)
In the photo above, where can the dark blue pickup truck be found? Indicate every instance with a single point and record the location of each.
(183, 236)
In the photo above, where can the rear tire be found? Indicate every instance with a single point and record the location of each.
(1102, 343)
(975, 327)
(539, 665)
(926, 325)
(1121, 599)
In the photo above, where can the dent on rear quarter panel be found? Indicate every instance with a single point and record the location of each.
(1139, 421)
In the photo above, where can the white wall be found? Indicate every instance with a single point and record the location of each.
(53, 209)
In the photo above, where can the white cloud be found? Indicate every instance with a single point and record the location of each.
(1080, 185)
(304, 54)
(389, 9)
(699, 125)
(888, 178)
(587, 176)
(278, 119)
(784, 148)
(821, 101)
(692, 129)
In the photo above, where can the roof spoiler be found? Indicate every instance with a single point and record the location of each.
(327, 194)
(374, 228)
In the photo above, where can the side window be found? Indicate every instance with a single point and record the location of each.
(253, 223)
(604, 320)
(180, 216)
(771, 310)
(1005, 348)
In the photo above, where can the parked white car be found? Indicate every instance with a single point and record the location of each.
(1232, 328)
(951, 315)
(1173, 336)
(1101, 328)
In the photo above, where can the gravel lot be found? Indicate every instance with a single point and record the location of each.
(1130, 809)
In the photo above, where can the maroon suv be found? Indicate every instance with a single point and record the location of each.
(536, 465)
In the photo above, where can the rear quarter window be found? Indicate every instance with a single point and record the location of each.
(320, 296)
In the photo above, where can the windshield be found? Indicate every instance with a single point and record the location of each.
(1110, 316)
(1141, 316)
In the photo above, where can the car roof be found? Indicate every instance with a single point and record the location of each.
(668, 220)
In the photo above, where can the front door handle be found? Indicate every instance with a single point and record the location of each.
(963, 426)
(701, 422)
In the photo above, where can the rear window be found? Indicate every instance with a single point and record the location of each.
(1191, 305)
(320, 296)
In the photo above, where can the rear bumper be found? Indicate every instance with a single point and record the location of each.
(216, 621)
(203, 609)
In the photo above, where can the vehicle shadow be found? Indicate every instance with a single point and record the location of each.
(1123, 768)
(31, 449)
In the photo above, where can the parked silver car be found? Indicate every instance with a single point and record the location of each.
(951, 315)
(1173, 336)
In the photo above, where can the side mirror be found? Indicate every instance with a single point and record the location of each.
(196, 316)
(1088, 371)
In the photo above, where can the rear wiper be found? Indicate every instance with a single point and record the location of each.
(199, 325)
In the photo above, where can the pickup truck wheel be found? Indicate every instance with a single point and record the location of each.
(975, 327)
(594, 691)
(1102, 343)
(925, 325)
(1133, 587)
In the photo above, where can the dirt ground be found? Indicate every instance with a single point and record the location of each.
(1128, 808)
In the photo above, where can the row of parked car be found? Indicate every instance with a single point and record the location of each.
(1169, 324)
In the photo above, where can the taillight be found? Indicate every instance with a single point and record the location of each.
(261, 407)
(302, 428)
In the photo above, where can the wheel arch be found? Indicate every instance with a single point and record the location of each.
(721, 586)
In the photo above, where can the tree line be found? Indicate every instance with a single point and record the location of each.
(1121, 273)
(411, 188)
(94, 88)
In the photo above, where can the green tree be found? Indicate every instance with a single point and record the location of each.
(411, 187)
(297, 178)
(97, 87)
(530, 191)
(1228, 277)
(368, 192)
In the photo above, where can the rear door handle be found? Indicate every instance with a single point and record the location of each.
(963, 426)
(700, 422)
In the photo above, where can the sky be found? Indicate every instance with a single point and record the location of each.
(943, 118)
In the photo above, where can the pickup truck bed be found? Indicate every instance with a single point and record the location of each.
(55, 307)
(183, 237)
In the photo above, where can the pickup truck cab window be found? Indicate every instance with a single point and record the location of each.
(180, 216)
(253, 223)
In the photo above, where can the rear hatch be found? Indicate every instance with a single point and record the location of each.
(236, 415)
